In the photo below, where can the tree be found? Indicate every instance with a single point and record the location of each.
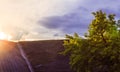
(100, 51)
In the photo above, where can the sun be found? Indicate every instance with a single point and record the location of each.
(4, 36)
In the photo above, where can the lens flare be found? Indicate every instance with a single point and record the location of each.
(4, 36)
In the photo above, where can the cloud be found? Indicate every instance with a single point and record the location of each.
(43, 19)
(22, 15)
(79, 19)
(69, 23)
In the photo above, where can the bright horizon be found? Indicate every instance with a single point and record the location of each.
(4, 36)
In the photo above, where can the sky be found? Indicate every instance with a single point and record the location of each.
(50, 19)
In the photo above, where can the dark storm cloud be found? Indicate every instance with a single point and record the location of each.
(69, 23)
(63, 21)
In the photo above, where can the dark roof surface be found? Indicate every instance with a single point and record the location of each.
(44, 55)
(10, 58)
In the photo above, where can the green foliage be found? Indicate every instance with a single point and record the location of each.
(100, 51)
